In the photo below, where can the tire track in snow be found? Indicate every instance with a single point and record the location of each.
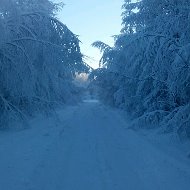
(88, 150)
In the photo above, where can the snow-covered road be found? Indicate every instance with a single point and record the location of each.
(88, 148)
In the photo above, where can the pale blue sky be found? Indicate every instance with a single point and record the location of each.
(92, 20)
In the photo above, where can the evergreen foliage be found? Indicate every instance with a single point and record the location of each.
(147, 72)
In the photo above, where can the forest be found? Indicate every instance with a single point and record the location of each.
(147, 71)
(39, 57)
(67, 126)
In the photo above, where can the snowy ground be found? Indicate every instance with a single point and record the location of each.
(88, 148)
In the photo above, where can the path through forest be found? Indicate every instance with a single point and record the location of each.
(87, 148)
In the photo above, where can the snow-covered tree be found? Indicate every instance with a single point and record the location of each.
(39, 57)
(147, 70)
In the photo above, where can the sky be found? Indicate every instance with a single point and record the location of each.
(92, 20)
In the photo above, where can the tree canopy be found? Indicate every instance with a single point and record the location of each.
(147, 72)
(39, 57)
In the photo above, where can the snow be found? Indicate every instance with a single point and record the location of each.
(147, 70)
(89, 146)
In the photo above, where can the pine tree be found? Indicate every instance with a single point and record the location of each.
(147, 70)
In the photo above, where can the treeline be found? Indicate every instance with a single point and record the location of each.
(39, 57)
(147, 72)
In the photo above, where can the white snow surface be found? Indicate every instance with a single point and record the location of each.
(89, 147)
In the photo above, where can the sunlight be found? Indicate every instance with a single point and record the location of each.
(81, 79)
